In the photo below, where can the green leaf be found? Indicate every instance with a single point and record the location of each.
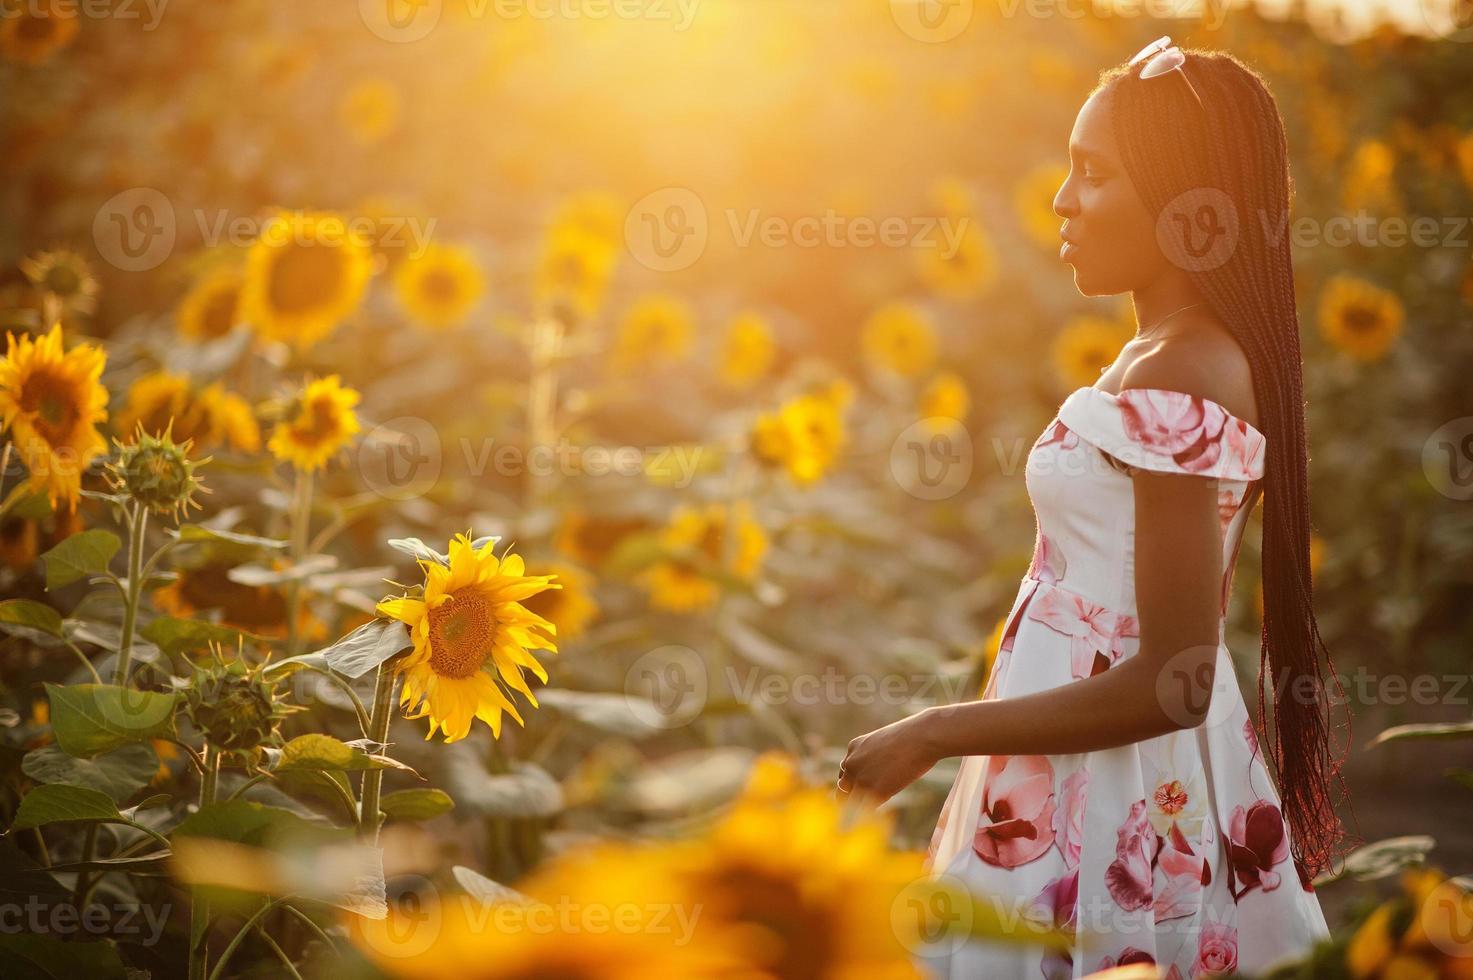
(33, 956)
(119, 773)
(256, 824)
(189, 533)
(367, 646)
(326, 754)
(257, 575)
(92, 718)
(1382, 858)
(628, 715)
(1402, 733)
(35, 615)
(486, 891)
(527, 791)
(289, 666)
(416, 804)
(58, 803)
(181, 636)
(84, 553)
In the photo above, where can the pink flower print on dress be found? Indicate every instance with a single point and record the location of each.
(1058, 904)
(1217, 951)
(1016, 822)
(1250, 736)
(1069, 817)
(1257, 843)
(1183, 874)
(1048, 561)
(1059, 433)
(1129, 876)
(1094, 632)
(1175, 424)
(1130, 956)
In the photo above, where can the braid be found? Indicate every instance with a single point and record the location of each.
(1235, 154)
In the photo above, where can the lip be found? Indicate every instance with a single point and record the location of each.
(1068, 250)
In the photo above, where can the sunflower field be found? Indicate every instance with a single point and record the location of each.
(470, 467)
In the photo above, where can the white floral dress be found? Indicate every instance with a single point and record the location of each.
(1173, 850)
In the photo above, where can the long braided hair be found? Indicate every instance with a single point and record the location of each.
(1222, 170)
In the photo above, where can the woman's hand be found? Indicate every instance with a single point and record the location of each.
(884, 762)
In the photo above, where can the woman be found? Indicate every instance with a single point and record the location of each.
(1112, 780)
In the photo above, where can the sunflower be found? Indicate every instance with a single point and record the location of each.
(572, 273)
(51, 402)
(592, 213)
(1369, 181)
(394, 230)
(657, 328)
(898, 339)
(694, 541)
(258, 609)
(804, 436)
(1033, 200)
(472, 636)
(440, 286)
(952, 197)
(211, 308)
(30, 33)
(963, 269)
(370, 110)
(1086, 346)
(210, 416)
(65, 276)
(747, 351)
(320, 423)
(797, 885)
(572, 608)
(945, 397)
(591, 539)
(1360, 318)
(305, 273)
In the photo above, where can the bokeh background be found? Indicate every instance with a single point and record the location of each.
(653, 231)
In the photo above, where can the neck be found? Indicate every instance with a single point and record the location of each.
(1162, 298)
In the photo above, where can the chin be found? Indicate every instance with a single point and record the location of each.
(1092, 284)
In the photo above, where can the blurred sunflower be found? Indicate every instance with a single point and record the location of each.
(471, 636)
(591, 539)
(440, 286)
(305, 273)
(64, 275)
(961, 269)
(210, 416)
(257, 609)
(19, 537)
(211, 308)
(658, 327)
(573, 273)
(1360, 318)
(897, 338)
(1421, 933)
(747, 351)
(952, 197)
(318, 425)
(945, 397)
(694, 541)
(805, 435)
(1033, 200)
(573, 607)
(1086, 346)
(31, 32)
(370, 110)
(1369, 178)
(50, 402)
(798, 885)
(592, 213)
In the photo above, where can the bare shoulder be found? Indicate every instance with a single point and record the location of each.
(1207, 363)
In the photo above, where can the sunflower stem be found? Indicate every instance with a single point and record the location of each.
(137, 528)
(301, 520)
(373, 779)
(199, 905)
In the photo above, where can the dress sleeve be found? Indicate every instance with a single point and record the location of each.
(1167, 432)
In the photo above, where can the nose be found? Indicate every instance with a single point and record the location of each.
(1066, 202)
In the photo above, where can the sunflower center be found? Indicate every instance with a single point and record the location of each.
(806, 932)
(317, 422)
(35, 28)
(439, 286)
(54, 404)
(219, 313)
(306, 276)
(1361, 319)
(460, 634)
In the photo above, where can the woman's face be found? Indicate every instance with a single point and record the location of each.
(1109, 237)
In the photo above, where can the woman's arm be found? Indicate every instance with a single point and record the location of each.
(1165, 686)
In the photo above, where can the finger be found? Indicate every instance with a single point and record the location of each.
(846, 783)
